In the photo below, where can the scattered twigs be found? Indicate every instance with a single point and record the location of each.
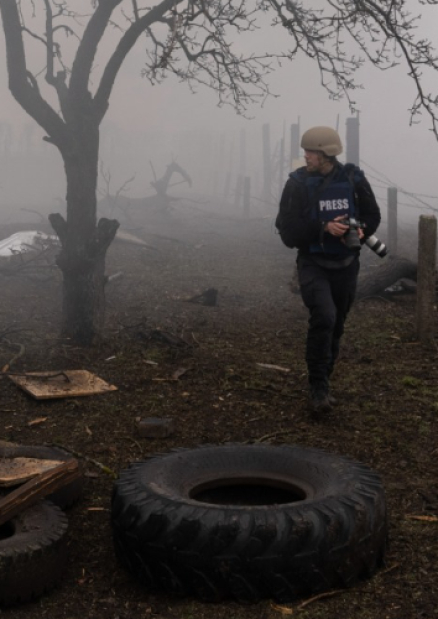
(194, 339)
(180, 372)
(20, 353)
(423, 518)
(130, 438)
(267, 437)
(287, 610)
(270, 366)
(391, 568)
(175, 376)
(262, 389)
(28, 260)
(9, 331)
(115, 276)
(105, 469)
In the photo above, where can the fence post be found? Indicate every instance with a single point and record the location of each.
(281, 175)
(352, 140)
(426, 278)
(239, 191)
(246, 195)
(294, 144)
(267, 172)
(242, 164)
(392, 219)
(230, 161)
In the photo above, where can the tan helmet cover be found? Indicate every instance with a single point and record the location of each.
(324, 139)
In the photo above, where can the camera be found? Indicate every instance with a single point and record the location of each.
(377, 246)
(351, 237)
(352, 240)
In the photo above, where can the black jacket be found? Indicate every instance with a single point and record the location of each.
(294, 221)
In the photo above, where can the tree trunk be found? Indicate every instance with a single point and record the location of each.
(392, 269)
(83, 244)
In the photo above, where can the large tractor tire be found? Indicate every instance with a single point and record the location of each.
(33, 553)
(249, 522)
(374, 281)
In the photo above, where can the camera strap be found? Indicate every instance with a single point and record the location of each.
(326, 182)
(350, 177)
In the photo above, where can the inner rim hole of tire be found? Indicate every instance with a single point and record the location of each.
(7, 530)
(247, 492)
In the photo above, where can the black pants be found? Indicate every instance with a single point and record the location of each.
(328, 294)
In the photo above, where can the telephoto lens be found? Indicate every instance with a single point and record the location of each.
(377, 246)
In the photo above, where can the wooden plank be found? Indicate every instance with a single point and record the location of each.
(38, 488)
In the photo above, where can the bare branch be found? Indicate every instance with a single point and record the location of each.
(135, 9)
(125, 44)
(196, 41)
(49, 43)
(22, 84)
(87, 49)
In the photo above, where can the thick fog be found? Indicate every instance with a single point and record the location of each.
(146, 127)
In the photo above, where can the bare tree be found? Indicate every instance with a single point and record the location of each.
(195, 40)
(113, 201)
(161, 199)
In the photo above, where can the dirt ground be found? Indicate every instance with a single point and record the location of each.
(199, 365)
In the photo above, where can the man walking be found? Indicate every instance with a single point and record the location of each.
(327, 209)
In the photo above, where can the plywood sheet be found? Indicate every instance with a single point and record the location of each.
(66, 384)
(18, 470)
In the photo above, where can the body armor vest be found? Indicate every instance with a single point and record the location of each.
(327, 200)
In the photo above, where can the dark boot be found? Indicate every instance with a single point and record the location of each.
(320, 399)
(332, 399)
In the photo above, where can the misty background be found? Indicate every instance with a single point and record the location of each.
(146, 127)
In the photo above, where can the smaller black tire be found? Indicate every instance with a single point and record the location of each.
(33, 553)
